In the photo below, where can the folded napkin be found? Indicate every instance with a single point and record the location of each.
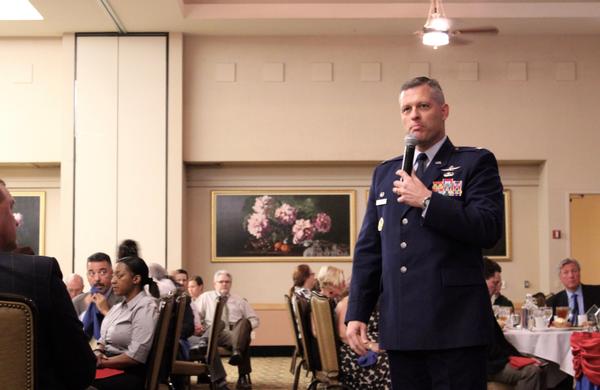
(92, 319)
(519, 362)
(368, 359)
(102, 373)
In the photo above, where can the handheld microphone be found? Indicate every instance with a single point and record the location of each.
(409, 153)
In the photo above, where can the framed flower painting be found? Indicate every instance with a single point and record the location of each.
(30, 213)
(502, 251)
(282, 225)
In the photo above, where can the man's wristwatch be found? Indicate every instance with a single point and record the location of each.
(426, 201)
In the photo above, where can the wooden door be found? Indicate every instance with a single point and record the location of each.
(585, 235)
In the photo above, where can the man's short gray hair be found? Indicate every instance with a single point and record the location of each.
(436, 89)
(568, 261)
(222, 272)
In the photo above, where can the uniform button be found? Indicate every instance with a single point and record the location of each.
(404, 221)
(403, 269)
(402, 245)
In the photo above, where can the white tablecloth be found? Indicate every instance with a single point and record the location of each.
(552, 345)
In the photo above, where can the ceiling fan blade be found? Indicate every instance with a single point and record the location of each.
(459, 41)
(476, 30)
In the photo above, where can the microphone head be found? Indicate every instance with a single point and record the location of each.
(410, 140)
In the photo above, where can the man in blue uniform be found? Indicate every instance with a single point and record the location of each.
(419, 253)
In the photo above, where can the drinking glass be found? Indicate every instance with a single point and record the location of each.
(562, 312)
(547, 313)
(515, 320)
(504, 313)
(496, 310)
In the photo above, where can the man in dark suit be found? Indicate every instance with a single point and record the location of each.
(64, 358)
(492, 272)
(419, 252)
(578, 297)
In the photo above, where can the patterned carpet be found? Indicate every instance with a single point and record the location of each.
(268, 373)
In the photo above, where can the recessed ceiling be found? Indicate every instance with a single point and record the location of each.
(310, 17)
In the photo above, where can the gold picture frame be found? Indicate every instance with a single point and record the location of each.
(31, 232)
(502, 251)
(265, 224)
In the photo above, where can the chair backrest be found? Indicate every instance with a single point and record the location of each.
(156, 368)
(182, 300)
(18, 322)
(215, 330)
(326, 336)
(294, 325)
(301, 309)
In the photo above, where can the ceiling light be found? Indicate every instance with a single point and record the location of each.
(435, 31)
(435, 38)
(18, 10)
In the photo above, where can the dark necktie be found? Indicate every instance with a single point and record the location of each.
(421, 165)
(575, 311)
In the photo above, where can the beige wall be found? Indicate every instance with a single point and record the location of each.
(31, 101)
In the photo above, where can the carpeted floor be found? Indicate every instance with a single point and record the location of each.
(268, 373)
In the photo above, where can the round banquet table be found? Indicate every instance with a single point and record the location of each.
(551, 344)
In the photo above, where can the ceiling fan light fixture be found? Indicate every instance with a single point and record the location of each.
(436, 38)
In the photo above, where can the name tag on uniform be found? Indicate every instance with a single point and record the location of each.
(379, 202)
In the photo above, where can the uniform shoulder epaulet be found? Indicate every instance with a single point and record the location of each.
(468, 148)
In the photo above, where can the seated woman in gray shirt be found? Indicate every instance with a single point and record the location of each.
(128, 328)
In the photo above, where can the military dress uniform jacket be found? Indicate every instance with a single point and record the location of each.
(428, 271)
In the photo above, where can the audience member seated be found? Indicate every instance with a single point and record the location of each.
(128, 328)
(371, 371)
(181, 277)
(127, 248)
(64, 359)
(304, 282)
(506, 365)
(578, 297)
(91, 307)
(74, 285)
(493, 278)
(195, 289)
(165, 284)
(238, 321)
(332, 282)
(540, 299)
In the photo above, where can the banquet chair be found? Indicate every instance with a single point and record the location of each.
(186, 368)
(295, 368)
(323, 317)
(18, 321)
(156, 377)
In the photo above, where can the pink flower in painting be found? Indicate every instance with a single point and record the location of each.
(263, 204)
(286, 214)
(303, 230)
(258, 225)
(322, 223)
(18, 218)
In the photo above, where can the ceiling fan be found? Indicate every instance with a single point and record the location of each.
(437, 32)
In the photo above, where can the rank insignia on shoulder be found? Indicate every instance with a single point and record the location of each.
(447, 187)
